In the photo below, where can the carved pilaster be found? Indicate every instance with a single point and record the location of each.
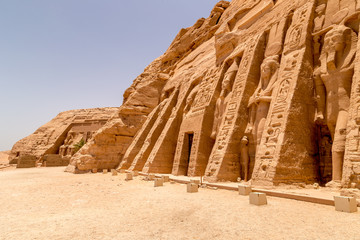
(351, 166)
(286, 149)
(141, 157)
(160, 159)
(224, 159)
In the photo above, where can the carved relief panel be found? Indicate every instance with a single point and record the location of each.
(333, 80)
(268, 155)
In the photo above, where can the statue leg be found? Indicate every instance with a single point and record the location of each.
(338, 147)
(260, 130)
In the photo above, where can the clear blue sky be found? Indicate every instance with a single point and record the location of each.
(58, 55)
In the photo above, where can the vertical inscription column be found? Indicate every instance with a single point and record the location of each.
(224, 161)
(285, 151)
(351, 166)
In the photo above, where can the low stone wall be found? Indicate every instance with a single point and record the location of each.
(55, 160)
(26, 161)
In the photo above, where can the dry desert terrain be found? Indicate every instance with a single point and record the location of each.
(46, 203)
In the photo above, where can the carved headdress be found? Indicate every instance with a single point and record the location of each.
(340, 38)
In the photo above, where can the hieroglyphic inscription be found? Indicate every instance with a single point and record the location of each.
(292, 59)
(179, 147)
(228, 121)
(206, 91)
(275, 127)
(231, 111)
(296, 36)
(353, 138)
(280, 11)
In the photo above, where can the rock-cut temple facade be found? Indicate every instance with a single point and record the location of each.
(267, 91)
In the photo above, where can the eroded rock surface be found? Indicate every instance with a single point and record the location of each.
(265, 91)
(262, 91)
(60, 135)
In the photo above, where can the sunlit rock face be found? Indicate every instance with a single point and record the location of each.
(59, 136)
(265, 91)
(270, 96)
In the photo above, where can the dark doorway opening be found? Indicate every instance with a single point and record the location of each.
(324, 142)
(189, 139)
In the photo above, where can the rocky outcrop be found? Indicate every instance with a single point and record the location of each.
(60, 134)
(108, 147)
(4, 158)
(263, 91)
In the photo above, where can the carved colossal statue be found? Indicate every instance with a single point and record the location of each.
(222, 101)
(320, 17)
(190, 99)
(244, 153)
(259, 102)
(333, 86)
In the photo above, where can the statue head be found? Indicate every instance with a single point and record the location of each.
(229, 76)
(244, 140)
(269, 67)
(339, 48)
(337, 38)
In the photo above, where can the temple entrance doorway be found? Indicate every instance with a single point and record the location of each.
(324, 143)
(189, 138)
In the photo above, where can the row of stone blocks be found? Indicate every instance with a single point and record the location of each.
(342, 204)
(255, 198)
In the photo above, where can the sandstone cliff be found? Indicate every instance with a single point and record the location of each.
(67, 127)
(107, 148)
(249, 93)
(262, 91)
(4, 157)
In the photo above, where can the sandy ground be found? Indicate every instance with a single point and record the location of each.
(46, 203)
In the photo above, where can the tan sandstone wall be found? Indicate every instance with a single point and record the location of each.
(261, 91)
(267, 92)
(50, 137)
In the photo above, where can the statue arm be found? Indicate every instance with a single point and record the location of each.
(320, 96)
(253, 98)
(252, 116)
(265, 98)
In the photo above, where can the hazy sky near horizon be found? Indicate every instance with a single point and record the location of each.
(58, 55)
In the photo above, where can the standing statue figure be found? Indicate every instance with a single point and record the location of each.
(190, 99)
(333, 81)
(245, 159)
(320, 17)
(223, 100)
(259, 102)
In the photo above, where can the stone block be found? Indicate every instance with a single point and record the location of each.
(196, 181)
(122, 171)
(26, 161)
(55, 160)
(159, 182)
(135, 173)
(192, 188)
(244, 190)
(150, 177)
(258, 199)
(114, 172)
(165, 178)
(105, 171)
(94, 170)
(129, 176)
(345, 204)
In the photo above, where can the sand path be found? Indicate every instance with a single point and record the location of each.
(46, 203)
